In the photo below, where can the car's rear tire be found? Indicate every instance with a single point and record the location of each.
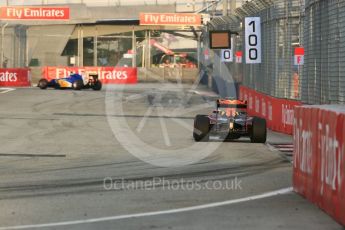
(43, 83)
(201, 128)
(259, 130)
(97, 86)
(78, 85)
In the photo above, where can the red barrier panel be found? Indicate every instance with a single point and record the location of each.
(318, 170)
(108, 75)
(279, 113)
(15, 77)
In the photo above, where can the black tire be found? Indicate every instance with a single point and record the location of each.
(43, 83)
(97, 86)
(201, 128)
(259, 131)
(78, 85)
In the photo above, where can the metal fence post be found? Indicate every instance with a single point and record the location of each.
(2, 43)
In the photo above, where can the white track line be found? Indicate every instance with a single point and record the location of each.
(144, 120)
(157, 213)
(6, 90)
(165, 132)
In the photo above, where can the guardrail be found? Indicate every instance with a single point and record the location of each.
(319, 153)
(278, 112)
(108, 75)
(15, 77)
(154, 74)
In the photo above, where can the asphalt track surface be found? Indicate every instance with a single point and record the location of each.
(63, 167)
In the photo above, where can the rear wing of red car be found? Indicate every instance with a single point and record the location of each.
(228, 103)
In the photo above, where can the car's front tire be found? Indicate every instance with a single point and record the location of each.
(43, 83)
(259, 130)
(78, 85)
(201, 128)
(97, 86)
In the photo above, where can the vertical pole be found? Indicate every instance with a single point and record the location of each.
(232, 6)
(82, 45)
(2, 43)
(143, 62)
(145, 51)
(17, 47)
(78, 58)
(14, 53)
(134, 43)
(225, 7)
(2, 46)
(285, 39)
(199, 51)
(95, 51)
(78, 46)
(149, 53)
(300, 44)
(26, 48)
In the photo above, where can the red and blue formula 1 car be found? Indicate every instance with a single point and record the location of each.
(230, 121)
(74, 81)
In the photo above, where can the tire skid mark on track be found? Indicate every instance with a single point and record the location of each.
(27, 118)
(30, 155)
(80, 185)
(84, 163)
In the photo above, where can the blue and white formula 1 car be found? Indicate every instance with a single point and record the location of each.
(74, 81)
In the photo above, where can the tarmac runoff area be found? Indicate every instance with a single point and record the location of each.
(95, 160)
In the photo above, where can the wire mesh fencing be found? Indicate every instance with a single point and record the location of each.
(324, 40)
(316, 25)
(281, 25)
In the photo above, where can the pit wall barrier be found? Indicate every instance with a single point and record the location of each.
(107, 75)
(121, 75)
(278, 112)
(15, 77)
(319, 154)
